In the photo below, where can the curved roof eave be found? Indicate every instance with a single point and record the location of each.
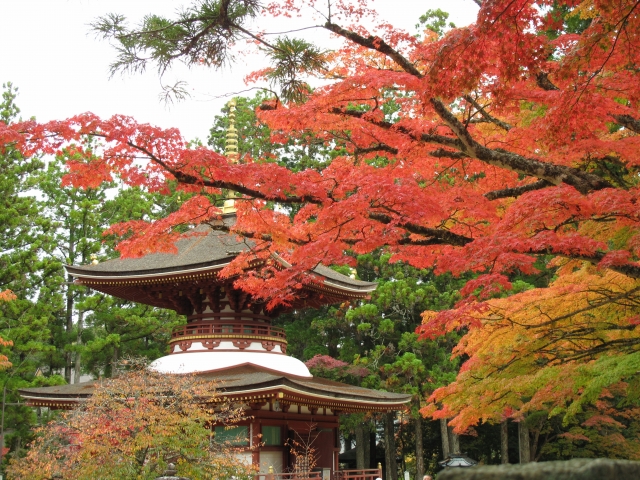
(347, 284)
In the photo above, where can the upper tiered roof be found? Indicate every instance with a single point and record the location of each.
(198, 260)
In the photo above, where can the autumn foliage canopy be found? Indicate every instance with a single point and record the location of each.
(132, 426)
(499, 148)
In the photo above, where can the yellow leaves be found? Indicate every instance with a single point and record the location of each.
(585, 10)
(428, 315)
(546, 348)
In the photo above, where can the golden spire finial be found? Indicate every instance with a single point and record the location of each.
(231, 152)
(231, 146)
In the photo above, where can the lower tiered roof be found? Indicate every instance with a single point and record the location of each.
(250, 384)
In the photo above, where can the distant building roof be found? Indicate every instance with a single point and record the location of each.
(458, 460)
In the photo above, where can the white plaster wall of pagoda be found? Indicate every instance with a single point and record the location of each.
(211, 360)
(254, 347)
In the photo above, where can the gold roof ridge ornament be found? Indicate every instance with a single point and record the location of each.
(231, 152)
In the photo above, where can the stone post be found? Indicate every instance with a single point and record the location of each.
(170, 474)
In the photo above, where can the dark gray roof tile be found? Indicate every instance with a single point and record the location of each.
(211, 248)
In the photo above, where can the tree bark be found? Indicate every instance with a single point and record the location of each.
(367, 448)
(77, 367)
(114, 359)
(454, 441)
(523, 442)
(360, 448)
(348, 442)
(444, 434)
(419, 448)
(68, 328)
(504, 442)
(390, 447)
(373, 460)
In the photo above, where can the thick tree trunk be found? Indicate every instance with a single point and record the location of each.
(504, 442)
(454, 441)
(68, 328)
(390, 446)
(444, 434)
(523, 442)
(419, 449)
(360, 448)
(348, 442)
(69, 307)
(367, 448)
(534, 445)
(78, 361)
(373, 460)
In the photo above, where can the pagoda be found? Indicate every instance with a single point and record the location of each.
(229, 337)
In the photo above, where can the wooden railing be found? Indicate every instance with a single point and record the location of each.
(289, 476)
(228, 328)
(359, 474)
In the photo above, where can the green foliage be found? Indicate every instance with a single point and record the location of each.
(23, 232)
(257, 141)
(57, 326)
(204, 34)
(436, 21)
(28, 271)
(291, 58)
(565, 21)
(201, 34)
(117, 328)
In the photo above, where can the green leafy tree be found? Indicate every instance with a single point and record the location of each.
(435, 21)
(30, 274)
(258, 142)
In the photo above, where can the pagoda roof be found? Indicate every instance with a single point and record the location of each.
(207, 249)
(249, 383)
(253, 377)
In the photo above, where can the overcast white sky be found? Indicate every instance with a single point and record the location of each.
(61, 69)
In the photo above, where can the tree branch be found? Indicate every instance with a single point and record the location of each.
(196, 180)
(485, 114)
(379, 147)
(542, 80)
(435, 235)
(517, 191)
(442, 153)
(627, 121)
(375, 43)
(554, 174)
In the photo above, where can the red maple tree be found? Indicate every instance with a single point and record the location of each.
(513, 139)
